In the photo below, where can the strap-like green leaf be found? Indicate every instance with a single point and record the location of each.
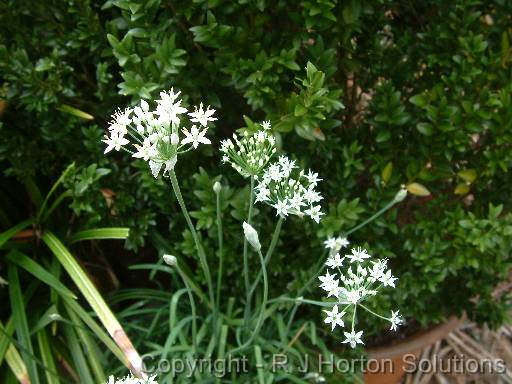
(19, 318)
(39, 272)
(100, 233)
(94, 298)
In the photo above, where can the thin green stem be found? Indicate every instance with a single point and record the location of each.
(200, 250)
(220, 239)
(354, 317)
(268, 255)
(374, 313)
(301, 301)
(263, 307)
(371, 218)
(192, 307)
(247, 310)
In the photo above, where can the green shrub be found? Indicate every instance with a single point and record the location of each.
(415, 93)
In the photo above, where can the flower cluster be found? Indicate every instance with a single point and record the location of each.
(249, 154)
(289, 189)
(362, 277)
(131, 380)
(155, 134)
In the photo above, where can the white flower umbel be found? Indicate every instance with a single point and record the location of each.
(154, 135)
(354, 280)
(131, 380)
(289, 190)
(250, 153)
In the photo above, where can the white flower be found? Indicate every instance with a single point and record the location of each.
(252, 236)
(395, 320)
(334, 317)
(195, 137)
(358, 255)
(130, 379)
(334, 261)
(387, 279)
(281, 207)
(352, 296)
(169, 107)
(328, 280)
(313, 177)
(262, 194)
(144, 151)
(353, 338)
(334, 244)
(202, 116)
(266, 125)
(314, 213)
(115, 141)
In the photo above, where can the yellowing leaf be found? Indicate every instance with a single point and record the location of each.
(75, 112)
(461, 189)
(468, 175)
(386, 172)
(418, 189)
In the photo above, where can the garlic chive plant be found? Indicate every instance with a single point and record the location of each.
(159, 135)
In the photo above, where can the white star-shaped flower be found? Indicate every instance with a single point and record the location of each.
(115, 141)
(358, 255)
(334, 317)
(281, 207)
(314, 212)
(266, 125)
(395, 320)
(327, 279)
(335, 261)
(312, 177)
(353, 338)
(387, 279)
(202, 116)
(195, 136)
(145, 151)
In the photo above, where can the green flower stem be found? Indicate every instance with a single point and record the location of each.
(220, 238)
(247, 310)
(263, 307)
(184, 277)
(200, 250)
(354, 317)
(301, 301)
(268, 255)
(374, 313)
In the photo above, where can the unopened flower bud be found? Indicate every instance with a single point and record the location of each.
(400, 196)
(170, 260)
(217, 187)
(174, 139)
(252, 236)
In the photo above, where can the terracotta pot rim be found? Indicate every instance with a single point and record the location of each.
(418, 341)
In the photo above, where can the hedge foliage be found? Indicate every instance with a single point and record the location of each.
(372, 94)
